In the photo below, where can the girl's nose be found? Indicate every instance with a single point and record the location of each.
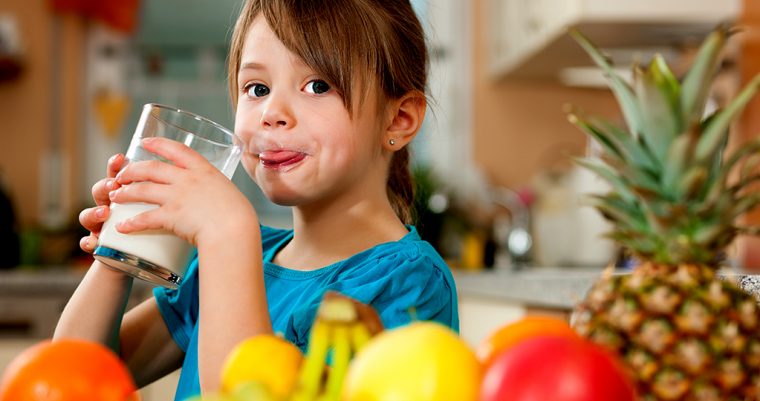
(277, 114)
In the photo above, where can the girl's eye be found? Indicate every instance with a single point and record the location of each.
(256, 90)
(317, 87)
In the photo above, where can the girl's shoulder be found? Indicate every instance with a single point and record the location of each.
(410, 252)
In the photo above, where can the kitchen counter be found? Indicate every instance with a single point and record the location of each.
(56, 280)
(31, 300)
(553, 288)
(490, 299)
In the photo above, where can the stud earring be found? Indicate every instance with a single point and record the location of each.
(392, 141)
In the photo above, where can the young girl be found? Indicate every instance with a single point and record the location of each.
(328, 94)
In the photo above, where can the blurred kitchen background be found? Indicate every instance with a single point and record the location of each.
(496, 190)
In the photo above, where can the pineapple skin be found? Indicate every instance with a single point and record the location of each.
(683, 333)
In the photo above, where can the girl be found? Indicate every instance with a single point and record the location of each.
(328, 94)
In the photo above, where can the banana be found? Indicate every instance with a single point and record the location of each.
(338, 310)
(343, 326)
(360, 336)
(341, 357)
(313, 367)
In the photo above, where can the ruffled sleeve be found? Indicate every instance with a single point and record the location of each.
(402, 286)
(407, 286)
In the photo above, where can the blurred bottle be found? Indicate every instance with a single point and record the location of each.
(569, 232)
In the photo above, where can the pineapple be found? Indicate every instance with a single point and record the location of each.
(675, 203)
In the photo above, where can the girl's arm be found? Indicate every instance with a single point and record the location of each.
(198, 203)
(142, 340)
(232, 302)
(95, 309)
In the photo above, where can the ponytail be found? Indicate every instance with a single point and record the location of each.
(401, 186)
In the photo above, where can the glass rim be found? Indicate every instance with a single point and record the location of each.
(194, 116)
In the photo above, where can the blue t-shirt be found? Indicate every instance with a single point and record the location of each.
(396, 278)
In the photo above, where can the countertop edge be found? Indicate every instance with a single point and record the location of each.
(553, 288)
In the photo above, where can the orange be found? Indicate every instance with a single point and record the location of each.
(67, 370)
(422, 361)
(513, 333)
(267, 359)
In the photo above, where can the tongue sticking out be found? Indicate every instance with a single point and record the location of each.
(280, 157)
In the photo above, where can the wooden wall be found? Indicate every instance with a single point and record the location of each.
(520, 128)
(26, 104)
(749, 126)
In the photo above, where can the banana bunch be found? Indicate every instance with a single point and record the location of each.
(341, 328)
(267, 367)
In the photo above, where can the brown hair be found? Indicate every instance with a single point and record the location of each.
(381, 39)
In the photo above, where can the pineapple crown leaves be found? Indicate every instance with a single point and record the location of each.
(672, 200)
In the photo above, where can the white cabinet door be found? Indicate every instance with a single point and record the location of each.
(480, 316)
(527, 38)
(10, 348)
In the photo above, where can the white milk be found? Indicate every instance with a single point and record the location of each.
(156, 246)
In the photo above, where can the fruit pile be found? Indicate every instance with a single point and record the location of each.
(351, 358)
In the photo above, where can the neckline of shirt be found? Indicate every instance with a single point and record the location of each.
(276, 270)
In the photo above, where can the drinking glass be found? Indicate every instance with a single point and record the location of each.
(159, 256)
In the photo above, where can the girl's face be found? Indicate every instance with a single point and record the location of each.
(301, 143)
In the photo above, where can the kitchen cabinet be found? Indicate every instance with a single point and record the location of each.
(489, 300)
(527, 38)
(479, 316)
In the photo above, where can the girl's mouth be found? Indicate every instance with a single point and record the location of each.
(280, 159)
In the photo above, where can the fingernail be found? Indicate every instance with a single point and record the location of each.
(100, 212)
(87, 243)
(112, 194)
(109, 184)
(122, 225)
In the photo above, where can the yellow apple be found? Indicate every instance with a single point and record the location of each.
(267, 359)
(423, 361)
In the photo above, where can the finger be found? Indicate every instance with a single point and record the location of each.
(89, 243)
(101, 189)
(92, 218)
(176, 152)
(150, 220)
(150, 170)
(115, 164)
(141, 191)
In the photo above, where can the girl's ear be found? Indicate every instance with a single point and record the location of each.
(407, 114)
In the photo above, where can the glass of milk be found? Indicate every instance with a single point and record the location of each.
(158, 256)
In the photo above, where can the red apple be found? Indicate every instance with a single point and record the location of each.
(557, 369)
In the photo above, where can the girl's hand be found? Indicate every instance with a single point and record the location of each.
(92, 218)
(195, 200)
